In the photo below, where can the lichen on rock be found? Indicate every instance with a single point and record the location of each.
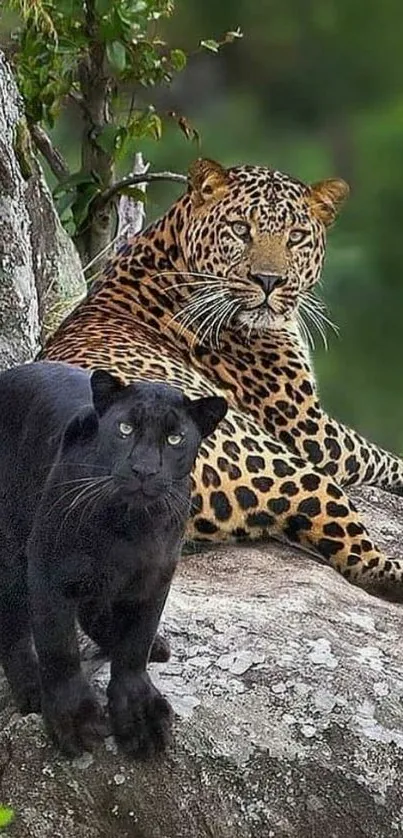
(287, 684)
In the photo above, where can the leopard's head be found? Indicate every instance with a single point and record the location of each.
(255, 240)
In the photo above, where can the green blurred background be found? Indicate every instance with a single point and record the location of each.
(315, 88)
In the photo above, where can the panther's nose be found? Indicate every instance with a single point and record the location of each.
(143, 472)
(268, 281)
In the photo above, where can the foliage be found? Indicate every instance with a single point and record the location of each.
(55, 35)
(6, 816)
(83, 51)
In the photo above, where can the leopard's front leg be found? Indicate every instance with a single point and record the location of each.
(251, 485)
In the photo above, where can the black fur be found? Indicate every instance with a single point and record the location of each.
(92, 512)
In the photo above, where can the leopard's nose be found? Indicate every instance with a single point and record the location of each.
(268, 281)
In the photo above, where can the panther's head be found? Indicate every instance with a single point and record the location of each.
(261, 231)
(136, 446)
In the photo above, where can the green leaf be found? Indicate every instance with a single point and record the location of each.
(155, 126)
(102, 7)
(6, 816)
(211, 46)
(178, 59)
(82, 205)
(64, 203)
(145, 124)
(116, 53)
(108, 139)
(67, 7)
(133, 192)
(78, 179)
(69, 225)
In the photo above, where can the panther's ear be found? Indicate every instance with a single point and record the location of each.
(104, 387)
(207, 413)
(82, 428)
(207, 180)
(326, 198)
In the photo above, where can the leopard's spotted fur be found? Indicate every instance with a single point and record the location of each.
(207, 298)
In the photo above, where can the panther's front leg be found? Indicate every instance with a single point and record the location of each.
(72, 714)
(254, 486)
(141, 717)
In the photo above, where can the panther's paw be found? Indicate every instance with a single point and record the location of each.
(73, 716)
(141, 717)
(160, 650)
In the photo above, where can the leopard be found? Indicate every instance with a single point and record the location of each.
(208, 297)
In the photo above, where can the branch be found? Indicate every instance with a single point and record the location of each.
(132, 180)
(79, 100)
(56, 161)
(131, 212)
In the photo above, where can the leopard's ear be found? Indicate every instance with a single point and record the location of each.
(207, 180)
(326, 198)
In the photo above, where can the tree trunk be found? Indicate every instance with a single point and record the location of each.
(96, 92)
(38, 262)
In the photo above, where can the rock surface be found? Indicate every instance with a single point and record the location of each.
(287, 683)
(38, 262)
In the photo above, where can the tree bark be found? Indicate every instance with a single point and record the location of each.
(96, 94)
(131, 213)
(38, 262)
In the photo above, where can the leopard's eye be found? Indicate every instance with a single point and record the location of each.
(175, 439)
(241, 229)
(125, 429)
(296, 236)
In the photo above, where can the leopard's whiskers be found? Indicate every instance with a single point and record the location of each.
(305, 331)
(208, 321)
(199, 309)
(311, 307)
(229, 310)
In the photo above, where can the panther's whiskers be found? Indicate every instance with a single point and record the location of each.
(176, 507)
(89, 482)
(84, 495)
(95, 498)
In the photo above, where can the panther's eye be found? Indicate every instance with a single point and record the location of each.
(175, 439)
(125, 428)
(296, 236)
(241, 229)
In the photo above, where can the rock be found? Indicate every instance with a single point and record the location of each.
(287, 683)
(38, 261)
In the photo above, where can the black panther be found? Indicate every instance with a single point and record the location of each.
(94, 499)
